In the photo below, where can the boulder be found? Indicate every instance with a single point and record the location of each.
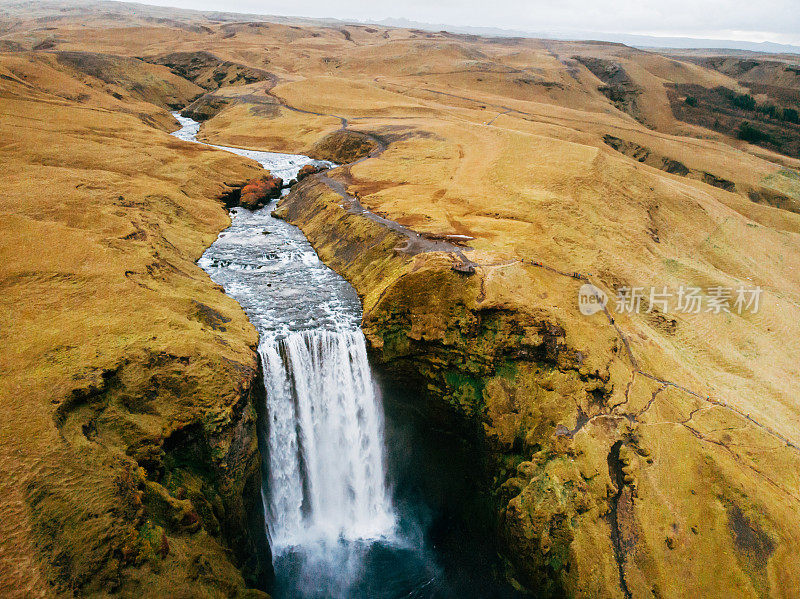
(258, 192)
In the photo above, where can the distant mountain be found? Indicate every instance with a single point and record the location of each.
(651, 41)
(45, 9)
(639, 41)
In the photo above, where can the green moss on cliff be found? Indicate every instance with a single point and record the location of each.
(508, 373)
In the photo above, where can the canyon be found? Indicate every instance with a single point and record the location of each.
(482, 183)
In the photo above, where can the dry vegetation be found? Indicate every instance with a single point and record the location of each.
(113, 341)
(568, 154)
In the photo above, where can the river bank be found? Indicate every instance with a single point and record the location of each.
(332, 524)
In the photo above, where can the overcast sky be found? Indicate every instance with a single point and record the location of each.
(751, 20)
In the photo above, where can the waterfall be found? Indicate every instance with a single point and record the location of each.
(327, 482)
(333, 530)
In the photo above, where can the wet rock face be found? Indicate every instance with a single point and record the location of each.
(260, 191)
(513, 377)
(540, 519)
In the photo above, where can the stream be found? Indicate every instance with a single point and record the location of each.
(347, 515)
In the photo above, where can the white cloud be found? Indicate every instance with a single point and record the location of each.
(765, 20)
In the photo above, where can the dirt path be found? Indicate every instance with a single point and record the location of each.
(416, 243)
(721, 403)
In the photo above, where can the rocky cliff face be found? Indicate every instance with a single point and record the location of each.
(508, 373)
(592, 499)
(182, 504)
(129, 455)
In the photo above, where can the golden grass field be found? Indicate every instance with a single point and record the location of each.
(501, 140)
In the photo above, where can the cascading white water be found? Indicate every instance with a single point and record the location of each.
(326, 501)
(326, 470)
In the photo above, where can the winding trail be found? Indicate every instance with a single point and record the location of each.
(416, 243)
(288, 106)
(615, 414)
(721, 403)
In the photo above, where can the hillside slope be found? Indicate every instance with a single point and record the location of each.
(636, 454)
(128, 455)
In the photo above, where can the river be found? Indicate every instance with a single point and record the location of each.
(338, 523)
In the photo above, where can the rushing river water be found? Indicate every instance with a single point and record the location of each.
(332, 525)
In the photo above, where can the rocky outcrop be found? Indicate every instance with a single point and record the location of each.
(260, 191)
(191, 494)
(308, 170)
(647, 156)
(619, 87)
